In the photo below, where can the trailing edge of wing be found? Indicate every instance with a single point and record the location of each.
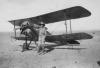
(61, 15)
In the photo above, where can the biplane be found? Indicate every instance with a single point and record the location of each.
(52, 17)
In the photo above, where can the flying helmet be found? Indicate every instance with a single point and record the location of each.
(25, 23)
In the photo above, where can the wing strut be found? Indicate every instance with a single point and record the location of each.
(65, 20)
(66, 25)
(14, 29)
(70, 26)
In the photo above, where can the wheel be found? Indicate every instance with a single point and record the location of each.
(24, 47)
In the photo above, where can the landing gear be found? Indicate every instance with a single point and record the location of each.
(30, 35)
(25, 47)
(26, 44)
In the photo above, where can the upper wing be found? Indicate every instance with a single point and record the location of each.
(65, 14)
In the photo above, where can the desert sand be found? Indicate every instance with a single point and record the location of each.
(84, 55)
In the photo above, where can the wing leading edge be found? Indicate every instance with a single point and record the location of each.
(61, 15)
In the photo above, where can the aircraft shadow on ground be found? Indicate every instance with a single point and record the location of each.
(98, 62)
(51, 47)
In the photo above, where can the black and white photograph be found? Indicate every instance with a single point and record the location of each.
(49, 34)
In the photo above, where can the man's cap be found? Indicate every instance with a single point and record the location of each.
(42, 24)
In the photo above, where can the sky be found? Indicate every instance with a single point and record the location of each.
(18, 9)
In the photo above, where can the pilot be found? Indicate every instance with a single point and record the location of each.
(26, 32)
(42, 35)
(25, 23)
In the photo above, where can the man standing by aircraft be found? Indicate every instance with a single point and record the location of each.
(25, 32)
(42, 35)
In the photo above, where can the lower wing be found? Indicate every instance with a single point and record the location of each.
(64, 37)
(67, 37)
(23, 38)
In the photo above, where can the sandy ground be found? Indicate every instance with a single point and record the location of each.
(84, 55)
